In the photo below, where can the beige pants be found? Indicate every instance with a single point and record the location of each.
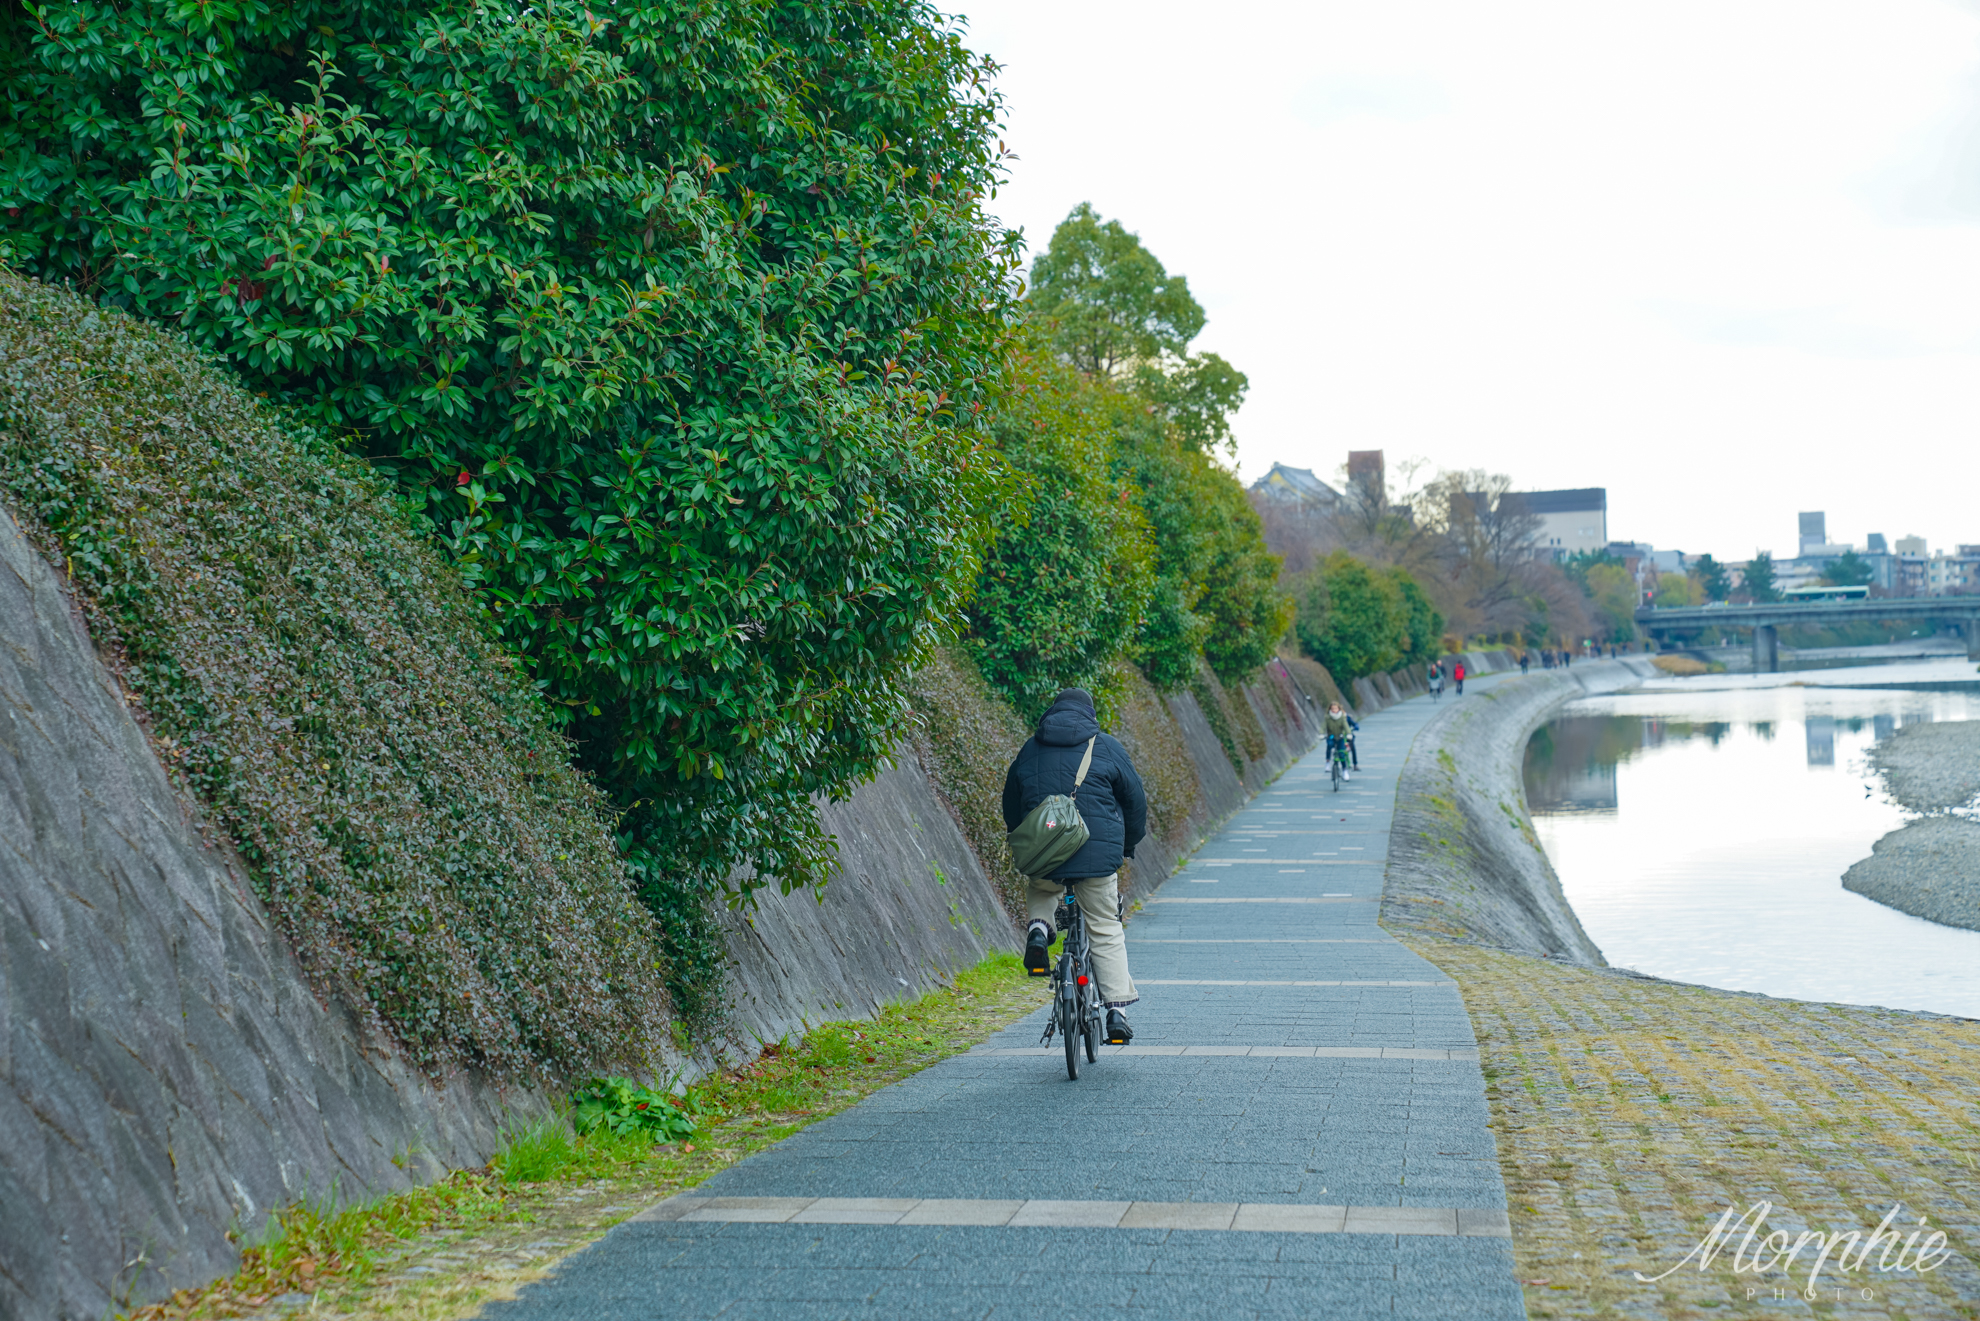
(1099, 899)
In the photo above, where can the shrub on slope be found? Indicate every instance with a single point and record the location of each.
(331, 694)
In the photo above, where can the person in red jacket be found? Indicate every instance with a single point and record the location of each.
(1457, 676)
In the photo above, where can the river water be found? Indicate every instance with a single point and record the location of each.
(1702, 836)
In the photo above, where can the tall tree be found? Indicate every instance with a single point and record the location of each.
(1109, 312)
(1114, 312)
(1759, 581)
(1713, 578)
(1848, 570)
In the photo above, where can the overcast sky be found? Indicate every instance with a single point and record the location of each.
(1721, 258)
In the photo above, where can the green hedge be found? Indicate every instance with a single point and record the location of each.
(318, 678)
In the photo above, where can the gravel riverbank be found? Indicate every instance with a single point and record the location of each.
(1929, 868)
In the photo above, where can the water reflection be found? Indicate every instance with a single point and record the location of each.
(1699, 838)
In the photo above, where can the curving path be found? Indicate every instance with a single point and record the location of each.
(1299, 1130)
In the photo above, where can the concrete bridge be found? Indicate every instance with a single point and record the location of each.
(1941, 612)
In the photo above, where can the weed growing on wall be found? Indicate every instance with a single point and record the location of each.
(971, 736)
(320, 680)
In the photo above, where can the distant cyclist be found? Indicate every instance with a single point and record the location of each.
(1436, 680)
(1341, 728)
(1115, 809)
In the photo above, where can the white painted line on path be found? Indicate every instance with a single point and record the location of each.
(1247, 1217)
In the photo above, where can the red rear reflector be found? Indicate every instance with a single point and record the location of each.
(1082, 980)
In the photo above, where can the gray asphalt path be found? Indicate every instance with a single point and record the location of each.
(1299, 1130)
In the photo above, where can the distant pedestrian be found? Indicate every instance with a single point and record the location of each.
(1457, 676)
(1567, 658)
(1525, 659)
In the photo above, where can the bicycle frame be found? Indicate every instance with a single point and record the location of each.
(1075, 999)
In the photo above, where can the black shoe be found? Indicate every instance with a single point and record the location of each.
(1038, 953)
(1118, 1031)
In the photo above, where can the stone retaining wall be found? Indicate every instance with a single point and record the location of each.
(1463, 858)
(166, 1075)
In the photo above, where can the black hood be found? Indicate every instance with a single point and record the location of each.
(1070, 720)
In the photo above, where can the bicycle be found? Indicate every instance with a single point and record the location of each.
(1437, 688)
(1076, 1014)
(1337, 761)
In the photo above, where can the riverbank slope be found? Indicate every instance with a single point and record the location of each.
(1463, 857)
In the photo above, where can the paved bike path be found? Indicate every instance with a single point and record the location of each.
(1298, 1130)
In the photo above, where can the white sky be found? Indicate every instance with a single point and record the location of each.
(1721, 257)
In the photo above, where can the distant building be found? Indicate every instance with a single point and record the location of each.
(1953, 575)
(1366, 469)
(1910, 546)
(1571, 522)
(1814, 531)
(1875, 545)
(1296, 486)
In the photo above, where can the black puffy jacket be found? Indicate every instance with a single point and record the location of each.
(1111, 800)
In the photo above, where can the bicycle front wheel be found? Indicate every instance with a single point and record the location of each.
(1335, 768)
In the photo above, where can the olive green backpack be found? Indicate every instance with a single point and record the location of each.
(1054, 830)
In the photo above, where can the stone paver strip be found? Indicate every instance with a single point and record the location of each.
(1298, 1129)
(1245, 1217)
(1262, 1052)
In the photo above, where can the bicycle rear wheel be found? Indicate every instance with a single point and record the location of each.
(1094, 1030)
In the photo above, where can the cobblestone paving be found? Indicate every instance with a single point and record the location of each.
(1630, 1114)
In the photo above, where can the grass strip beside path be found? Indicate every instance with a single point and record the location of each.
(442, 1250)
(1631, 1113)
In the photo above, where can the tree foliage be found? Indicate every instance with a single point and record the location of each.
(1114, 312)
(1131, 542)
(1066, 586)
(1358, 620)
(1848, 570)
(671, 315)
(1713, 578)
(1758, 585)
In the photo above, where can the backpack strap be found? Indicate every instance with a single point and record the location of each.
(1085, 764)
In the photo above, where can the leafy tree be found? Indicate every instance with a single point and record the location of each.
(1759, 585)
(1677, 589)
(1068, 581)
(1114, 312)
(1712, 578)
(670, 314)
(1423, 624)
(1352, 618)
(1612, 594)
(1848, 570)
(1241, 598)
(1121, 324)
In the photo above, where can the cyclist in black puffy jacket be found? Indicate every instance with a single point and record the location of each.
(1115, 809)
